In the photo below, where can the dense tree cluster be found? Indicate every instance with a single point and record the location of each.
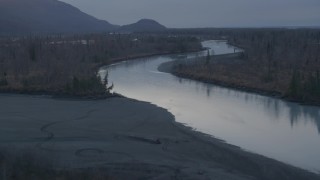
(283, 60)
(68, 63)
(295, 52)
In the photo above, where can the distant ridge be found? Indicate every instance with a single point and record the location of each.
(143, 25)
(47, 16)
(53, 16)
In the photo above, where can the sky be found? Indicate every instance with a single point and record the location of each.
(205, 13)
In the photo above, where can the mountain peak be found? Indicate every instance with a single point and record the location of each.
(147, 21)
(54, 16)
(144, 25)
(47, 16)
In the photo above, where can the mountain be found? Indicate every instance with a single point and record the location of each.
(47, 16)
(144, 25)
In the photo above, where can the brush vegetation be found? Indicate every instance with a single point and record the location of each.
(283, 61)
(68, 64)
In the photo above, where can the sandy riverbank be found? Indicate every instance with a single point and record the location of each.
(248, 84)
(129, 139)
(232, 58)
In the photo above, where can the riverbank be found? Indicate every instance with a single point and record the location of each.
(229, 71)
(140, 56)
(61, 91)
(68, 65)
(127, 139)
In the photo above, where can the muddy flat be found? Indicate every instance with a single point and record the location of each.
(130, 139)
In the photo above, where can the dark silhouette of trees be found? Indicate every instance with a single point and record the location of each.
(295, 88)
(286, 61)
(68, 63)
(208, 58)
(3, 79)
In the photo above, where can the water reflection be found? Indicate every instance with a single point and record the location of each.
(297, 114)
(265, 125)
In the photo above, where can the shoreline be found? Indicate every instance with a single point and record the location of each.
(183, 151)
(134, 57)
(167, 68)
(57, 94)
(129, 138)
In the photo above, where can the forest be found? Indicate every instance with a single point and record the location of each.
(281, 61)
(67, 64)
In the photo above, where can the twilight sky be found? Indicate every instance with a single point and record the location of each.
(206, 13)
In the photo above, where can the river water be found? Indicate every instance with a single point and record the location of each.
(285, 131)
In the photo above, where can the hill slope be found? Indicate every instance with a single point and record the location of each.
(144, 25)
(46, 16)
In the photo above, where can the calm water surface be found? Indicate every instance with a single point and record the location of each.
(281, 130)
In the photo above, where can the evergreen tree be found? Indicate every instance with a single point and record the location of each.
(295, 84)
(208, 58)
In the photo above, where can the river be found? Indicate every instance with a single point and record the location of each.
(281, 130)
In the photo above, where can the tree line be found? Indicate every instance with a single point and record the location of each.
(280, 59)
(68, 63)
